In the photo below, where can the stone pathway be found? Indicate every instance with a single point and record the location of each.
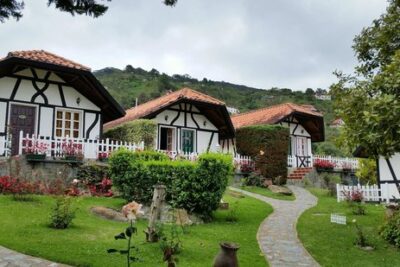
(277, 235)
(10, 258)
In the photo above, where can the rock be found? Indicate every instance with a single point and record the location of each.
(224, 205)
(109, 214)
(267, 182)
(367, 248)
(280, 190)
(182, 217)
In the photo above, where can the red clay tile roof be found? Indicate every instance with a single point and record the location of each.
(46, 57)
(152, 106)
(271, 115)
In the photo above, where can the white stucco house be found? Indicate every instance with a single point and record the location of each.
(188, 121)
(305, 123)
(49, 96)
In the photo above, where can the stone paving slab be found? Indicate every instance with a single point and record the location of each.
(277, 235)
(10, 258)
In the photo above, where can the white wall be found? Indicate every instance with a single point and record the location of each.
(386, 176)
(45, 122)
(3, 119)
(227, 145)
(89, 120)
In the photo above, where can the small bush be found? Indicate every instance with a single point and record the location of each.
(391, 230)
(359, 209)
(195, 186)
(92, 173)
(62, 214)
(254, 179)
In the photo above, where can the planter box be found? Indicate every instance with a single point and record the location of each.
(73, 158)
(324, 169)
(35, 157)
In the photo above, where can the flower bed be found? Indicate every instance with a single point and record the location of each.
(324, 165)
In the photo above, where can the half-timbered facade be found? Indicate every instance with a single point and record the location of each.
(388, 173)
(47, 95)
(305, 123)
(187, 121)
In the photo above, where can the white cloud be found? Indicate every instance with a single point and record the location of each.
(261, 43)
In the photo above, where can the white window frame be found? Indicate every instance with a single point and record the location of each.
(175, 131)
(194, 139)
(63, 122)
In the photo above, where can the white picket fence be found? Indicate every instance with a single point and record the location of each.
(369, 192)
(238, 159)
(4, 146)
(89, 148)
(340, 163)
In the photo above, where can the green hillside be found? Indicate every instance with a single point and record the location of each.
(131, 83)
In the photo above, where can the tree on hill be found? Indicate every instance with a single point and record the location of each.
(13, 8)
(369, 100)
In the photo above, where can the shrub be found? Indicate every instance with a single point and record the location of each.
(102, 189)
(232, 213)
(391, 229)
(135, 131)
(62, 214)
(194, 186)
(268, 146)
(330, 182)
(254, 179)
(367, 170)
(92, 173)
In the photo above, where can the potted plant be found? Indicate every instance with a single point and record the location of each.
(35, 150)
(324, 165)
(71, 150)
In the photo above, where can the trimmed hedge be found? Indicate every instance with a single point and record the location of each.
(135, 131)
(195, 186)
(268, 145)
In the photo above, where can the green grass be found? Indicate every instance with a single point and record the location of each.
(24, 227)
(266, 192)
(333, 244)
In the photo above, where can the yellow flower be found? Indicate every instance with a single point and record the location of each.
(132, 210)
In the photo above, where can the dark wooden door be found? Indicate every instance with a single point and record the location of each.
(22, 118)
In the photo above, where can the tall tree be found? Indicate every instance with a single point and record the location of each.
(369, 100)
(13, 8)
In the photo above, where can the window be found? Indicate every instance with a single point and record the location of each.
(167, 138)
(68, 123)
(187, 141)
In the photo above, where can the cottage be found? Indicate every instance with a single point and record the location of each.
(306, 125)
(47, 95)
(188, 121)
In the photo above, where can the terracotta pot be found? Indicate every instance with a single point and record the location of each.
(227, 255)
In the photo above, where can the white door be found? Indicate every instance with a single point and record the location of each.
(301, 146)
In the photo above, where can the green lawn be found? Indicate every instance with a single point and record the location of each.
(332, 244)
(24, 227)
(266, 192)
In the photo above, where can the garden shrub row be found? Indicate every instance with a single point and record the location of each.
(268, 146)
(195, 186)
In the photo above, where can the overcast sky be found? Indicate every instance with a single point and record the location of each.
(261, 43)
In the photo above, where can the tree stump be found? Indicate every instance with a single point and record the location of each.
(155, 212)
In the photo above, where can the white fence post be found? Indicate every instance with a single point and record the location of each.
(387, 193)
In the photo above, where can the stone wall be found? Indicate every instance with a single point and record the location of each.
(46, 170)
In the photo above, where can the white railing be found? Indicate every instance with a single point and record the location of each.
(238, 159)
(5, 145)
(88, 148)
(369, 192)
(340, 163)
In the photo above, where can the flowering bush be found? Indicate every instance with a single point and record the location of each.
(324, 164)
(70, 148)
(354, 195)
(346, 166)
(247, 167)
(35, 147)
(101, 189)
(103, 156)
